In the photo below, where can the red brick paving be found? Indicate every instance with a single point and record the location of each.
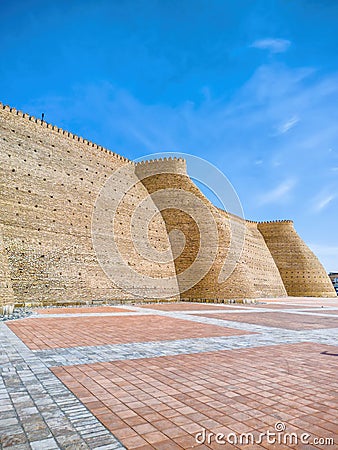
(279, 320)
(276, 306)
(162, 402)
(186, 306)
(302, 301)
(82, 310)
(39, 334)
(268, 303)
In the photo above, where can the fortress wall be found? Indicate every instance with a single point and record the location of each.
(49, 181)
(255, 274)
(6, 291)
(258, 265)
(301, 271)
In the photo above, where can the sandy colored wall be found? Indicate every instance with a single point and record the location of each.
(300, 269)
(255, 274)
(6, 290)
(49, 181)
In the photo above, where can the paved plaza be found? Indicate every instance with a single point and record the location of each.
(172, 376)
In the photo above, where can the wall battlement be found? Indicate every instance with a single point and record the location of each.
(276, 222)
(50, 180)
(160, 160)
(159, 166)
(61, 131)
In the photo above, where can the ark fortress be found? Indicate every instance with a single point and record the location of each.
(50, 181)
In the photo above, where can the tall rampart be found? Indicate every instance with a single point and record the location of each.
(255, 273)
(301, 271)
(49, 182)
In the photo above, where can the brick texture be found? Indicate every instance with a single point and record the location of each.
(50, 180)
(301, 271)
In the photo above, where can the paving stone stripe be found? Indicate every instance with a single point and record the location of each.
(143, 312)
(219, 322)
(38, 411)
(137, 350)
(89, 355)
(51, 316)
(261, 310)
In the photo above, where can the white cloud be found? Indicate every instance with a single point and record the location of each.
(278, 194)
(235, 134)
(320, 202)
(272, 44)
(286, 126)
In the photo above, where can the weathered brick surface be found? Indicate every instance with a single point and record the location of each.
(6, 290)
(301, 271)
(49, 182)
(255, 274)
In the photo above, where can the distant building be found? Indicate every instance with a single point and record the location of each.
(334, 278)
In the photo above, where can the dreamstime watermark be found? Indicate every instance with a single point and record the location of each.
(128, 216)
(278, 436)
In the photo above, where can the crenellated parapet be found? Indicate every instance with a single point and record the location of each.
(276, 222)
(59, 130)
(144, 169)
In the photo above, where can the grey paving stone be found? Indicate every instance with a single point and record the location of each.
(44, 444)
(71, 443)
(11, 437)
(21, 447)
(36, 403)
(5, 423)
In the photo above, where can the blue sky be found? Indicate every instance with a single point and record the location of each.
(251, 86)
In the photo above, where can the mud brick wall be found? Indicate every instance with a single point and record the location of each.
(49, 181)
(255, 274)
(6, 290)
(301, 271)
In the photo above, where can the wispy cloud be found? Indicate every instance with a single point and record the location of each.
(239, 135)
(279, 194)
(287, 125)
(321, 201)
(274, 45)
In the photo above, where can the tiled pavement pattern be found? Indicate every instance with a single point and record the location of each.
(222, 381)
(73, 331)
(281, 320)
(188, 306)
(330, 312)
(37, 411)
(161, 401)
(82, 310)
